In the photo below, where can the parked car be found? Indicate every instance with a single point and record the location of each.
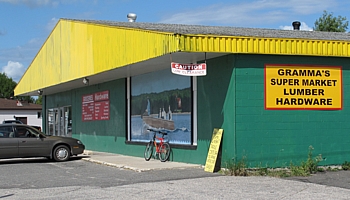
(22, 141)
(12, 121)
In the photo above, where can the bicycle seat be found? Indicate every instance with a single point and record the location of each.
(163, 133)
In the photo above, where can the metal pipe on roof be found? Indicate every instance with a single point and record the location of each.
(131, 17)
(296, 25)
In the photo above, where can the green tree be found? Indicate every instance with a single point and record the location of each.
(39, 100)
(28, 99)
(327, 22)
(7, 85)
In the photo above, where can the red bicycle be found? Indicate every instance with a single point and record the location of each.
(162, 148)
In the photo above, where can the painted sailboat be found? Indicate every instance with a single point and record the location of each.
(164, 120)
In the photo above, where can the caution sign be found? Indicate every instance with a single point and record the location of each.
(213, 150)
(189, 69)
(301, 87)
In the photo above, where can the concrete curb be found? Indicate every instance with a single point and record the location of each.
(136, 164)
(115, 165)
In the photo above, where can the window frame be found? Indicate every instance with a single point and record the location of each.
(194, 132)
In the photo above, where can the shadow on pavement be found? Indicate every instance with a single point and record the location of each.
(339, 179)
(36, 160)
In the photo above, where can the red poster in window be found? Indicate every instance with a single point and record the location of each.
(88, 111)
(95, 106)
(101, 96)
(87, 107)
(102, 110)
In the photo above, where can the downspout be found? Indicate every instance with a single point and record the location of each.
(43, 113)
(234, 112)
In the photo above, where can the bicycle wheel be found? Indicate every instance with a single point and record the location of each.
(164, 152)
(148, 151)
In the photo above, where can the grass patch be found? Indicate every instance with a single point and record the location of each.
(305, 168)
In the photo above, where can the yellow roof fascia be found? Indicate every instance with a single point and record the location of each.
(76, 49)
(260, 45)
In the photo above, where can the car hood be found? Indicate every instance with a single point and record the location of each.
(59, 138)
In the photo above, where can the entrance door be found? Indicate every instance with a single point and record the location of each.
(56, 130)
(59, 121)
(62, 122)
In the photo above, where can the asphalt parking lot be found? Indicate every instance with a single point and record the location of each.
(84, 179)
(339, 178)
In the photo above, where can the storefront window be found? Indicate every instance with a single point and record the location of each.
(161, 101)
(59, 121)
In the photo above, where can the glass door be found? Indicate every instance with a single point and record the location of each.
(62, 120)
(59, 121)
(50, 122)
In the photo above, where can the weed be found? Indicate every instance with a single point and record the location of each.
(279, 173)
(320, 169)
(310, 166)
(332, 169)
(297, 170)
(236, 168)
(229, 168)
(345, 165)
(307, 167)
(263, 171)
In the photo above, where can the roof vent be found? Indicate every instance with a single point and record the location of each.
(131, 17)
(19, 103)
(296, 25)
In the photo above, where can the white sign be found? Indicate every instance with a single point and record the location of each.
(189, 69)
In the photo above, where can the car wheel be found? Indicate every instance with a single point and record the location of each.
(61, 153)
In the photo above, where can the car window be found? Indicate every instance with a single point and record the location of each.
(4, 134)
(11, 122)
(25, 132)
(6, 131)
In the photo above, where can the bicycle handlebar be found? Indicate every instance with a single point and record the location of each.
(155, 131)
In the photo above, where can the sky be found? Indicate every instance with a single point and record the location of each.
(26, 24)
(160, 82)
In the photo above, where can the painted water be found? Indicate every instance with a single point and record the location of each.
(181, 134)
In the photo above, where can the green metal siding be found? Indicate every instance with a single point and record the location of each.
(277, 137)
(231, 97)
(110, 135)
(104, 135)
(216, 105)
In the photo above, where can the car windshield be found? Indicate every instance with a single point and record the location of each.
(46, 134)
(36, 131)
(10, 122)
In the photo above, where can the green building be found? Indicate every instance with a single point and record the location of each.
(274, 93)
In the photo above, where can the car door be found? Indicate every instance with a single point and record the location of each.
(30, 144)
(8, 143)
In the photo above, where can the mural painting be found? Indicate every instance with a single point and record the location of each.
(161, 101)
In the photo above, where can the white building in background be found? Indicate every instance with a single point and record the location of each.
(28, 113)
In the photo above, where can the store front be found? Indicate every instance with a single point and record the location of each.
(274, 93)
